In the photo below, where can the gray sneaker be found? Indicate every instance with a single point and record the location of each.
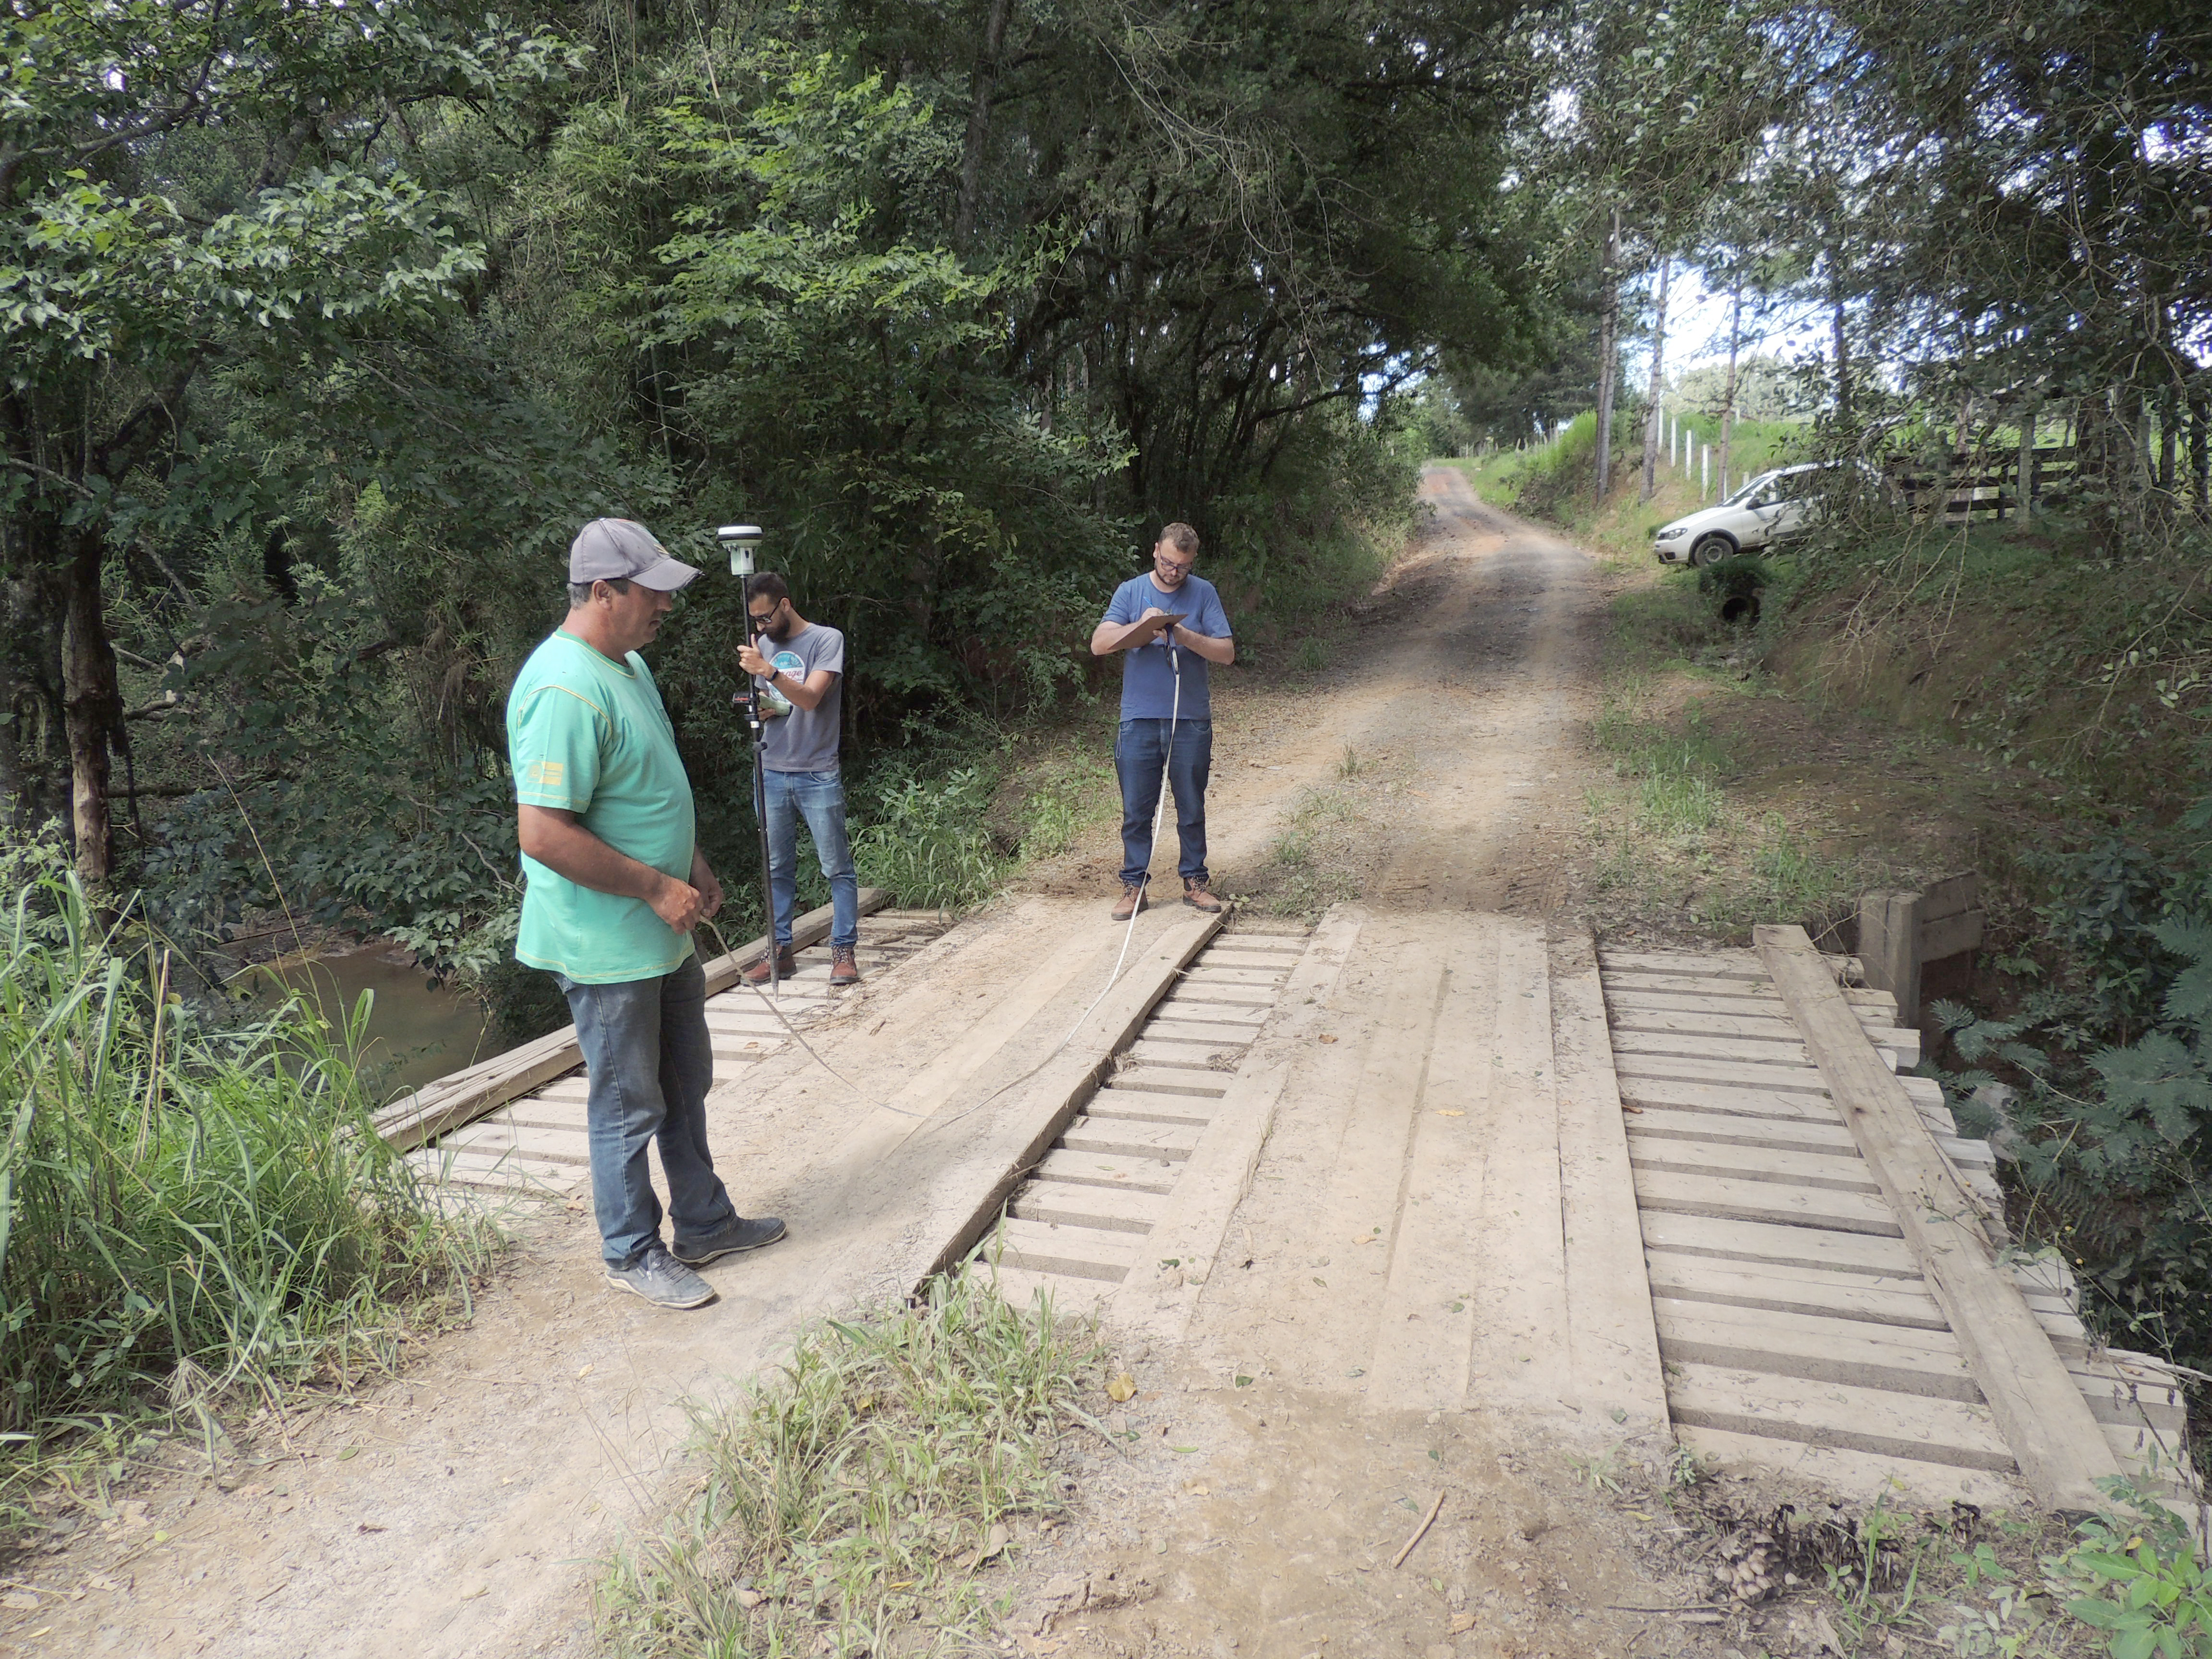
(660, 1279)
(738, 1235)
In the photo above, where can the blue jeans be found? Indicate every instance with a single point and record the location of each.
(1142, 757)
(819, 798)
(645, 1043)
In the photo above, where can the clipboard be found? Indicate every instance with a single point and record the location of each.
(1144, 631)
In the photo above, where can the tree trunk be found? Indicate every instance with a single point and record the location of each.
(2200, 453)
(1608, 344)
(2167, 407)
(1843, 418)
(1727, 402)
(979, 124)
(1654, 417)
(95, 708)
(2027, 485)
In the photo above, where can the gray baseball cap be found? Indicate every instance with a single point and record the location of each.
(610, 549)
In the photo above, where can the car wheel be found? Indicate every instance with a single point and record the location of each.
(1711, 550)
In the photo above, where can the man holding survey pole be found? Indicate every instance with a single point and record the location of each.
(1171, 624)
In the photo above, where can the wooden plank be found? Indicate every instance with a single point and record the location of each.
(1265, 979)
(1613, 1343)
(1795, 1288)
(1187, 995)
(1026, 1120)
(1873, 1008)
(1898, 1359)
(1426, 1336)
(1823, 1172)
(1727, 1129)
(1139, 1079)
(1731, 1238)
(1063, 1297)
(1159, 1298)
(1628, 1016)
(1199, 1058)
(1749, 1051)
(1046, 1247)
(491, 1139)
(1141, 1175)
(2041, 1413)
(1361, 1189)
(455, 1099)
(1838, 1414)
(1766, 1200)
(1141, 1106)
(1163, 1028)
(1691, 1095)
(1689, 1068)
(1523, 1322)
(1862, 1477)
(1183, 1007)
(1950, 935)
(1124, 1139)
(1700, 964)
(1114, 1209)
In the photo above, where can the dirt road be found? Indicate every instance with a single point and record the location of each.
(458, 1509)
(1446, 745)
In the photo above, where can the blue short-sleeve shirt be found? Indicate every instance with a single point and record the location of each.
(1149, 672)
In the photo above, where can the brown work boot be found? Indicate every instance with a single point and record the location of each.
(1131, 902)
(787, 967)
(1195, 895)
(844, 965)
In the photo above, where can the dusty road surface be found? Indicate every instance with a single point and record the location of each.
(460, 1509)
(1443, 753)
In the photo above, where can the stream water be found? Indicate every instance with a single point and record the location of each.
(414, 1034)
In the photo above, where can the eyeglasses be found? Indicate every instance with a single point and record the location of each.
(762, 618)
(1181, 566)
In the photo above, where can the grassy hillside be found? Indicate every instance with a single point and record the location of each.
(1552, 482)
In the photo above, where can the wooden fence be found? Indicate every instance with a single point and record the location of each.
(1987, 487)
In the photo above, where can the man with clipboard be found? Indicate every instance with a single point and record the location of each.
(1171, 624)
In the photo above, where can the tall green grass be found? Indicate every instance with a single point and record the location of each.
(849, 1500)
(186, 1215)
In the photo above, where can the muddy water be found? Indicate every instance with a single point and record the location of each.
(414, 1034)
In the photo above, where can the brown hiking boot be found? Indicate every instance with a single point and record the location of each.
(844, 965)
(787, 967)
(1195, 895)
(1131, 902)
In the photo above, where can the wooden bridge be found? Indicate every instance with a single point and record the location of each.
(1663, 1193)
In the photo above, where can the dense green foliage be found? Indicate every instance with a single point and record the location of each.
(962, 302)
(183, 1213)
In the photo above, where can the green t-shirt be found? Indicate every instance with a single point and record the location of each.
(587, 734)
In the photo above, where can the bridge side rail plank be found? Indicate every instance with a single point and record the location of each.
(464, 1096)
(2037, 1407)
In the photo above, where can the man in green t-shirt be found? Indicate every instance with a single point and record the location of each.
(615, 884)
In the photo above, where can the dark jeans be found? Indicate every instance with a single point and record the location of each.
(1140, 757)
(645, 1043)
(819, 798)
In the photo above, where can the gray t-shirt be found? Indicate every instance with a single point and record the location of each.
(804, 739)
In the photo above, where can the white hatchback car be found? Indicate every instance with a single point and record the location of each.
(1771, 508)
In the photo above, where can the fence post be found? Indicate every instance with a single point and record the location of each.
(1704, 471)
